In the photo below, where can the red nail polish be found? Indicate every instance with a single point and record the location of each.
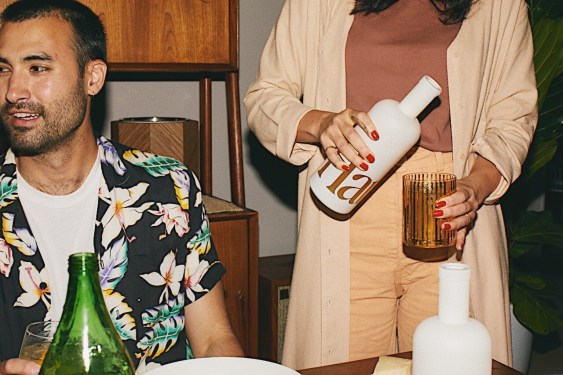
(364, 166)
(374, 135)
(346, 168)
(447, 226)
(440, 204)
(437, 213)
(370, 158)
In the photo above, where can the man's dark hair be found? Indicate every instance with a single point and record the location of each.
(452, 11)
(89, 33)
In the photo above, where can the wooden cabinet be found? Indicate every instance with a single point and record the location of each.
(171, 35)
(274, 274)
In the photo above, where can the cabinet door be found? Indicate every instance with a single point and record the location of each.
(168, 35)
(235, 236)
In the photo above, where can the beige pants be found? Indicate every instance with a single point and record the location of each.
(392, 289)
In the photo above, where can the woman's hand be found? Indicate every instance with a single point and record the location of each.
(460, 208)
(19, 366)
(336, 135)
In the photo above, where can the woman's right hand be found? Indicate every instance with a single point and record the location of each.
(336, 135)
(18, 366)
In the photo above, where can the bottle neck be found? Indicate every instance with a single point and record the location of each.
(84, 290)
(453, 300)
(419, 97)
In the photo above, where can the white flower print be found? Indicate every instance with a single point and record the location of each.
(195, 270)
(120, 213)
(173, 217)
(6, 258)
(170, 276)
(35, 284)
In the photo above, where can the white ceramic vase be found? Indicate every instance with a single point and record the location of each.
(522, 339)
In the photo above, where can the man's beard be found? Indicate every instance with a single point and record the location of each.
(60, 123)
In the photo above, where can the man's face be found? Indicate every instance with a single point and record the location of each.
(43, 100)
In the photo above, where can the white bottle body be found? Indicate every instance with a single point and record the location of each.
(452, 343)
(398, 129)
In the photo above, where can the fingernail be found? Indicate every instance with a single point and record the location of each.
(440, 204)
(364, 166)
(374, 135)
(346, 168)
(437, 213)
(447, 226)
(370, 158)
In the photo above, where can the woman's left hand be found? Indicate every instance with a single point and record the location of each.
(460, 209)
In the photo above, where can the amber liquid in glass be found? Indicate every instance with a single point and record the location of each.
(421, 191)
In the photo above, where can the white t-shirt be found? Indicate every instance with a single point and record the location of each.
(61, 225)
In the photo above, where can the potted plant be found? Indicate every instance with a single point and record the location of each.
(535, 240)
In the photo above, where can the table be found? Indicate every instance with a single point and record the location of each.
(366, 366)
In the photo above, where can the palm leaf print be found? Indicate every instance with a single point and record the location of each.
(163, 312)
(8, 190)
(155, 165)
(201, 242)
(114, 264)
(181, 187)
(109, 156)
(189, 353)
(161, 337)
(20, 238)
(119, 311)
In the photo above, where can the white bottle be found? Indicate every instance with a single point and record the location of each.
(452, 343)
(398, 130)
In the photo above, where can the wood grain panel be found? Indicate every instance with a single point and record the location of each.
(171, 35)
(175, 138)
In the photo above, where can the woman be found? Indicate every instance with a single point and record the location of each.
(355, 292)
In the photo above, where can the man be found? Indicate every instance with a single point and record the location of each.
(62, 190)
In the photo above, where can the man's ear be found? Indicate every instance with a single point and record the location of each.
(95, 76)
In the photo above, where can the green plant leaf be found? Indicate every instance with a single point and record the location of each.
(536, 228)
(541, 152)
(534, 313)
(550, 122)
(517, 249)
(548, 53)
(545, 8)
(531, 281)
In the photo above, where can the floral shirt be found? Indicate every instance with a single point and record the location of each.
(155, 249)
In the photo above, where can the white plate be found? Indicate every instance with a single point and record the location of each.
(223, 365)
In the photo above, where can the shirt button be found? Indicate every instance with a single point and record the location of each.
(462, 156)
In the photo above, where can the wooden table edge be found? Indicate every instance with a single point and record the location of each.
(366, 367)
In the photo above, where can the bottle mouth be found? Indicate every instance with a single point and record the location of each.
(437, 89)
(454, 272)
(83, 260)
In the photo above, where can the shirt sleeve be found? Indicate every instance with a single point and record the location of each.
(203, 268)
(511, 117)
(273, 101)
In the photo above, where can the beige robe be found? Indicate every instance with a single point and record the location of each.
(493, 114)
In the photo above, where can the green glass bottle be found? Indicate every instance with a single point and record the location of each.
(86, 341)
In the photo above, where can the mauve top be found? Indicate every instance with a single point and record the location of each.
(388, 53)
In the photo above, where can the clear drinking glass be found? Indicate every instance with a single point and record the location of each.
(420, 193)
(36, 340)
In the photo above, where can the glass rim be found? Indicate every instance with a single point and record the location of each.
(43, 324)
(429, 177)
